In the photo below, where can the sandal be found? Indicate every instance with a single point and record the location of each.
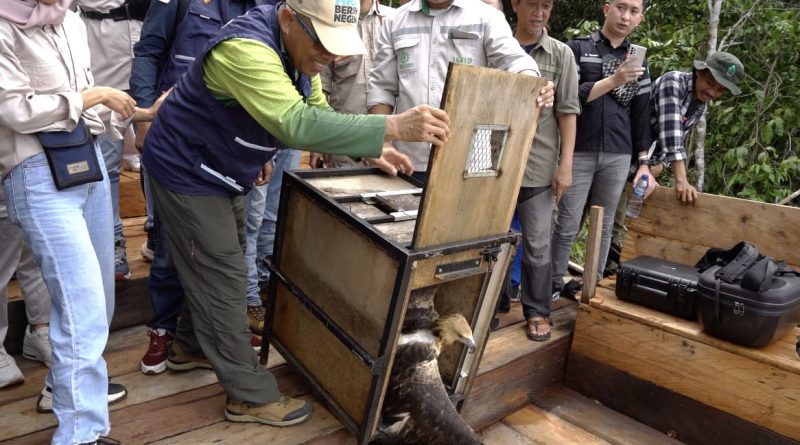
(533, 328)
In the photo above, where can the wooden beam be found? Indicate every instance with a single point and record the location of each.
(751, 390)
(685, 419)
(592, 253)
(514, 369)
(599, 419)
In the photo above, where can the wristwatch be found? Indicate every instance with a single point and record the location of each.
(644, 161)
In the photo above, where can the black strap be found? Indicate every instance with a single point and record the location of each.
(94, 15)
(600, 45)
(130, 10)
(734, 261)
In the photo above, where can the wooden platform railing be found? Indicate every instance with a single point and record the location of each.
(665, 371)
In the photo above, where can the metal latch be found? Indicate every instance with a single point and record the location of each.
(459, 269)
(738, 308)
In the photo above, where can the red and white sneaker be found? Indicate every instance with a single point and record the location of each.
(155, 359)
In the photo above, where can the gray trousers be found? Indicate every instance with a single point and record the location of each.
(15, 256)
(535, 211)
(207, 240)
(604, 174)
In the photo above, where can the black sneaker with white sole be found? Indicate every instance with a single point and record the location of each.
(44, 404)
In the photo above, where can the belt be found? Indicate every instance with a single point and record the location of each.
(117, 14)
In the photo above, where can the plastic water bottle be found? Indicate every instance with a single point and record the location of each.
(637, 198)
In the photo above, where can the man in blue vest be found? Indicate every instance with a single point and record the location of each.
(254, 87)
(173, 34)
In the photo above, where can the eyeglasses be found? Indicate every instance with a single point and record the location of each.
(307, 29)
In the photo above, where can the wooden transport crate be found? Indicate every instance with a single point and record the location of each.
(353, 244)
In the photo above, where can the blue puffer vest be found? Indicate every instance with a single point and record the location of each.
(199, 145)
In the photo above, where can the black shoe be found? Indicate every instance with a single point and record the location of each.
(116, 392)
(494, 324)
(44, 404)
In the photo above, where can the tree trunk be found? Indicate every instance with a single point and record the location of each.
(714, 7)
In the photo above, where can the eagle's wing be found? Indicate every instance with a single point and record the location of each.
(418, 408)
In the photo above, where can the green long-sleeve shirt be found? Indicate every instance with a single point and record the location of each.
(250, 73)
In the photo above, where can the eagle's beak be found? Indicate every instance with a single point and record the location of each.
(469, 342)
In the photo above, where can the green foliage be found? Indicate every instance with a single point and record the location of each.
(749, 151)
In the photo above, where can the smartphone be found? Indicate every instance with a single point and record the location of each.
(636, 54)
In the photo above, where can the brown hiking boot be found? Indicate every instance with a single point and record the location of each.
(255, 316)
(177, 360)
(282, 412)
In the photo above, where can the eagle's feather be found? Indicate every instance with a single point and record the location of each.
(417, 408)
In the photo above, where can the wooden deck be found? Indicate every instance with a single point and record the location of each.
(518, 396)
(187, 408)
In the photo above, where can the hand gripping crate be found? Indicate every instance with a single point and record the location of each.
(352, 244)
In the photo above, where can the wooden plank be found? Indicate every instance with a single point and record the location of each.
(131, 198)
(322, 422)
(598, 419)
(514, 368)
(780, 354)
(425, 269)
(401, 231)
(293, 326)
(592, 253)
(455, 208)
(688, 420)
(502, 434)
(720, 221)
(338, 437)
(123, 353)
(549, 428)
(732, 383)
(363, 210)
(637, 244)
(341, 186)
(326, 258)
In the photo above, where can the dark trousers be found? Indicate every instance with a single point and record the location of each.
(164, 288)
(206, 238)
(535, 210)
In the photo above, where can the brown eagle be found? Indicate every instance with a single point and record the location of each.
(417, 408)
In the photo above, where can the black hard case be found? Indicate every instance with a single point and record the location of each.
(746, 317)
(658, 284)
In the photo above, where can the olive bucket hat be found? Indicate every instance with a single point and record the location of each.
(726, 69)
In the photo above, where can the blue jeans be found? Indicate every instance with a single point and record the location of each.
(604, 176)
(284, 160)
(254, 204)
(70, 235)
(112, 157)
(164, 288)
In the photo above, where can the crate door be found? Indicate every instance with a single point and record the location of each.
(334, 299)
(474, 179)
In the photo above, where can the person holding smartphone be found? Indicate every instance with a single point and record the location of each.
(612, 128)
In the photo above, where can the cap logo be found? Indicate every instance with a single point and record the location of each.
(345, 11)
(731, 70)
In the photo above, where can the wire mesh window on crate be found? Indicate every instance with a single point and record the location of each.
(486, 150)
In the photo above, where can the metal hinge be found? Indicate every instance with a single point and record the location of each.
(738, 308)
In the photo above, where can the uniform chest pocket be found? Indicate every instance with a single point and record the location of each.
(347, 67)
(464, 38)
(467, 47)
(408, 55)
(196, 29)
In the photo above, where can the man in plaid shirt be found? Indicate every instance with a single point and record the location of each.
(678, 101)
